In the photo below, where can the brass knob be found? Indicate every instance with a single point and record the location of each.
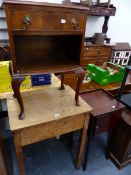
(74, 23)
(27, 20)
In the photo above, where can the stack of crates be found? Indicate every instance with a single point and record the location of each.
(5, 78)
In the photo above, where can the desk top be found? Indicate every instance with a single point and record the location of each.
(44, 105)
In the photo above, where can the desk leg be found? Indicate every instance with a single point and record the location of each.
(62, 82)
(86, 154)
(82, 143)
(90, 135)
(19, 153)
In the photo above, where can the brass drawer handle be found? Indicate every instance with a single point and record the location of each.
(75, 23)
(27, 20)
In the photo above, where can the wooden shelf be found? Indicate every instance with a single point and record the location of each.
(48, 64)
(45, 32)
(100, 10)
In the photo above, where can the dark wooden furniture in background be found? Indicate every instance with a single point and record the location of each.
(54, 35)
(96, 54)
(4, 53)
(122, 97)
(3, 163)
(120, 142)
(103, 9)
(105, 115)
(120, 149)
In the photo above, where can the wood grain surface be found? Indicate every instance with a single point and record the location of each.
(44, 105)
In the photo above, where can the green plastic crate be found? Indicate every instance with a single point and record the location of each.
(104, 77)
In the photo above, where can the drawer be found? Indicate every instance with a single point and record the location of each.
(90, 52)
(86, 61)
(98, 51)
(42, 20)
(98, 61)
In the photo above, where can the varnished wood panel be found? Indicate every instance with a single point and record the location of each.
(40, 20)
(53, 20)
(43, 106)
(52, 129)
(96, 54)
(3, 170)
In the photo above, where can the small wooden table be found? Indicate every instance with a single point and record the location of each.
(104, 117)
(49, 113)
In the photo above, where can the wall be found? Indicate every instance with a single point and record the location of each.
(119, 28)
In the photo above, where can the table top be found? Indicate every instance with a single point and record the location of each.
(44, 105)
(101, 102)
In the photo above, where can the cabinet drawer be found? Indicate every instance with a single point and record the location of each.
(40, 20)
(89, 52)
(85, 61)
(98, 51)
(98, 61)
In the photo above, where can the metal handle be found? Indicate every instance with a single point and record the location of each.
(74, 23)
(27, 20)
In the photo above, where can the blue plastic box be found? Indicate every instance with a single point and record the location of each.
(41, 79)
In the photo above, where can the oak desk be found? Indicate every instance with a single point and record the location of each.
(49, 113)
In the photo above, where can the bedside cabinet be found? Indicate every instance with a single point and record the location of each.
(104, 117)
(96, 54)
(120, 142)
(45, 38)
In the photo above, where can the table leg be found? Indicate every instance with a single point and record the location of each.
(16, 82)
(86, 154)
(82, 143)
(62, 82)
(91, 133)
(108, 144)
(80, 77)
(19, 153)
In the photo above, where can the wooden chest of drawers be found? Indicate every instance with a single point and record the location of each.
(96, 54)
(45, 38)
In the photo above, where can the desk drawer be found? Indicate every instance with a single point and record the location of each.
(52, 129)
(47, 20)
